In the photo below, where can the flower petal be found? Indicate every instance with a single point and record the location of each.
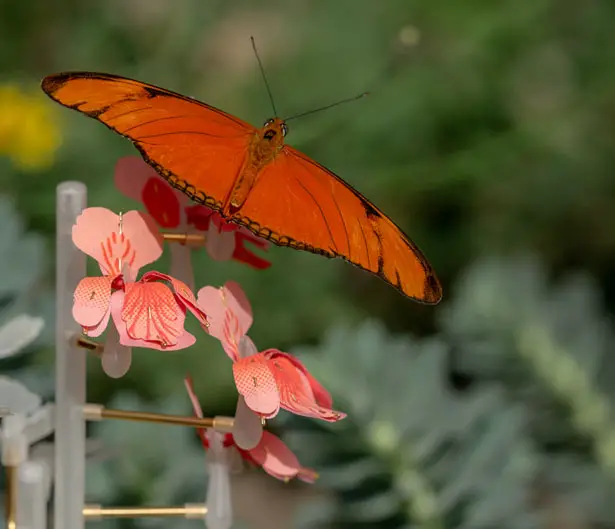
(184, 340)
(92, 300)
(244, 255)
(152, 313)
(246, 347)
(295, 390)
(247, 428)
(255, 382)
(229, 315)
(220, 244)
(275, 457)
(131, 175)
(161, 202)
(141, 230)
(115, 242)
(92, 227)
(321, 395)
(184, 294)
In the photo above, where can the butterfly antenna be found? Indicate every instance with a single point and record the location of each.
(328, 106)
(260, 65)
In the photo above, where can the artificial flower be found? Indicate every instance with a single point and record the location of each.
(149, 312)
(271, 454)
(267, 380)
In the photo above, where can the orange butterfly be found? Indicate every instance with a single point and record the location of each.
(250, 176)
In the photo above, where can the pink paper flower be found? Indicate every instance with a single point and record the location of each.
(271, 453)
(174, 211)
(267, 380)
(149, 312)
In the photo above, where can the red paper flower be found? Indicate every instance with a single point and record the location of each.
(267, 380)
(149, 312)
(271, 453)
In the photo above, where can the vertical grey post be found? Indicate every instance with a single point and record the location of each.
(71, 199)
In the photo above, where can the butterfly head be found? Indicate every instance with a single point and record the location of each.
(274, 130)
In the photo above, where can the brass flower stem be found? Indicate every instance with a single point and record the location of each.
(94, 412)
(187, 511)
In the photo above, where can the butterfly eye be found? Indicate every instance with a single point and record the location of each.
(268, 122)
(284, 129)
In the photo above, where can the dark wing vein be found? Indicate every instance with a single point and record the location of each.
(322, 213)
(369, 261)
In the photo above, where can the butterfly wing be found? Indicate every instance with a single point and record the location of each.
(199, 149)
(298, 203)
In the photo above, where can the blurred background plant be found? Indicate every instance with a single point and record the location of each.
(489, 130)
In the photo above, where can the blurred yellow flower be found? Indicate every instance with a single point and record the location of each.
(29, 135)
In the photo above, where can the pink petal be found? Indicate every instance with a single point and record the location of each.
(247, 428)
(152, 313)
(92, 300)
(256, 384)
(92, 227)
(115, 242)
(246, 347)
(131, 174)
(139, 181)
(295, 390)
(220, 244)
(141, 229)
(184, 340)
(275, 457)
(321, 395)
(185, 297)
(229, 314)
(97, 330)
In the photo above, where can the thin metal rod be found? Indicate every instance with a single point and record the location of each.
(196, 239)
(142, 416)
(11, 497)
(94, 413)
(187, 511)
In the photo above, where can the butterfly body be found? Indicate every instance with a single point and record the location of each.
(265, 145)
(250, 176)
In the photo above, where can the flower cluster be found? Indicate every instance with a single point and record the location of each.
(270, 453)
(149, 311)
